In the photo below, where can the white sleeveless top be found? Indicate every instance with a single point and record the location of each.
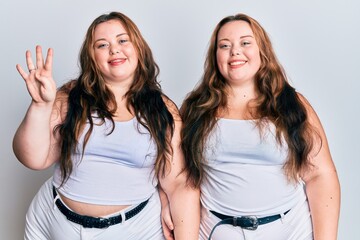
(116, 169)
(245, 173)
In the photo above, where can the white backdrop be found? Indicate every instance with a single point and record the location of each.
(316, 41)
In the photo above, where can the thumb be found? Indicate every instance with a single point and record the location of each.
(168, 222)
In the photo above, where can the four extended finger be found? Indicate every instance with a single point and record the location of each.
(29, 61)
(26, 75)
(39, 57)
(49, 59)
(21, 71)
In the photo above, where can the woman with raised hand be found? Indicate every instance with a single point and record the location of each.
(113, 137)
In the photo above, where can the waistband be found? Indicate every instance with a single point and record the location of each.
(96, 222)
(245, 222)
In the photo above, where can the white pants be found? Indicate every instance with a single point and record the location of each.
(44, 221)
(295, 225)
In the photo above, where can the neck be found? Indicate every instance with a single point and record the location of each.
(118, 89)
(241, 93)
(238, 101)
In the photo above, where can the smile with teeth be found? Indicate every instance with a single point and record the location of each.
(236, 63)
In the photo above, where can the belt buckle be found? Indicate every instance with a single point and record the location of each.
(248, 222)
(105, 222)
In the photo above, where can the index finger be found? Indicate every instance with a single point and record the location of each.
(49, 59)
(21, 71)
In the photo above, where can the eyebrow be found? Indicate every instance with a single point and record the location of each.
(226, 39)
(103, 39)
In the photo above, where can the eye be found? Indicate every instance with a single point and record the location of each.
(123, 41)
(224, 46)
(247, 41)
(102, 45)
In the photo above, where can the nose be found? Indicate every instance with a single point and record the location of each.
(114, 51)
(235, 51)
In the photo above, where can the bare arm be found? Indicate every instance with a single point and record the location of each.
(34, 143)
(322, 185)
(166, 221)
(184, 199)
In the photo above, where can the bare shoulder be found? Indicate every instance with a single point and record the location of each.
(172, 107)
(317, 130)
(312, 116)
(319, 157)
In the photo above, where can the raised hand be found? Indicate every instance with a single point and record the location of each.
(39, 81)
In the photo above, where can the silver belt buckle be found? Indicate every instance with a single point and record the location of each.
(248, 222)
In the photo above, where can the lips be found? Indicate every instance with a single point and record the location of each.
(117, 61)
(237, 63)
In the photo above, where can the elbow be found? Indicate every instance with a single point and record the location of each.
(182, 190)
(30, 161)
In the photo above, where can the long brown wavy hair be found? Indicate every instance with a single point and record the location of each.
(277, 102)
(89, 94)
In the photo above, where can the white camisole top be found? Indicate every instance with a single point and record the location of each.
(116, 169)
(244, 171)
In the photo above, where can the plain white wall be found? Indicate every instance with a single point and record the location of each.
(316, 41)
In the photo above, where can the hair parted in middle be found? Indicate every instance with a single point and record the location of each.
(277, 101)
(88, 94)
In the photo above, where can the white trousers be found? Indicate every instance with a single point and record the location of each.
(44, 221)
(295, 225)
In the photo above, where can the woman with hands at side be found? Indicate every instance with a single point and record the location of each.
(113, 138)
(256, 145)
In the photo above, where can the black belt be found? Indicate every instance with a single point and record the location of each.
(96, 222)
(246, 222)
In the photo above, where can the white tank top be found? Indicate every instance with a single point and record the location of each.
(245, 171)
(116, 169)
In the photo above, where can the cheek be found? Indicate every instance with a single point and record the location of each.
(220, 58)
(256, 57)
(221, 61)
(258, 62)
(131, 53)
(98, 58)
(133, 57)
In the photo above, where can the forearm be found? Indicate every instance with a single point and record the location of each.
(185, 211)
(32, 139)
(324, 199)
(163, 198)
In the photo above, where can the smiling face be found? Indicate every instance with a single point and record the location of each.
(114, 52)
(237, 54)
